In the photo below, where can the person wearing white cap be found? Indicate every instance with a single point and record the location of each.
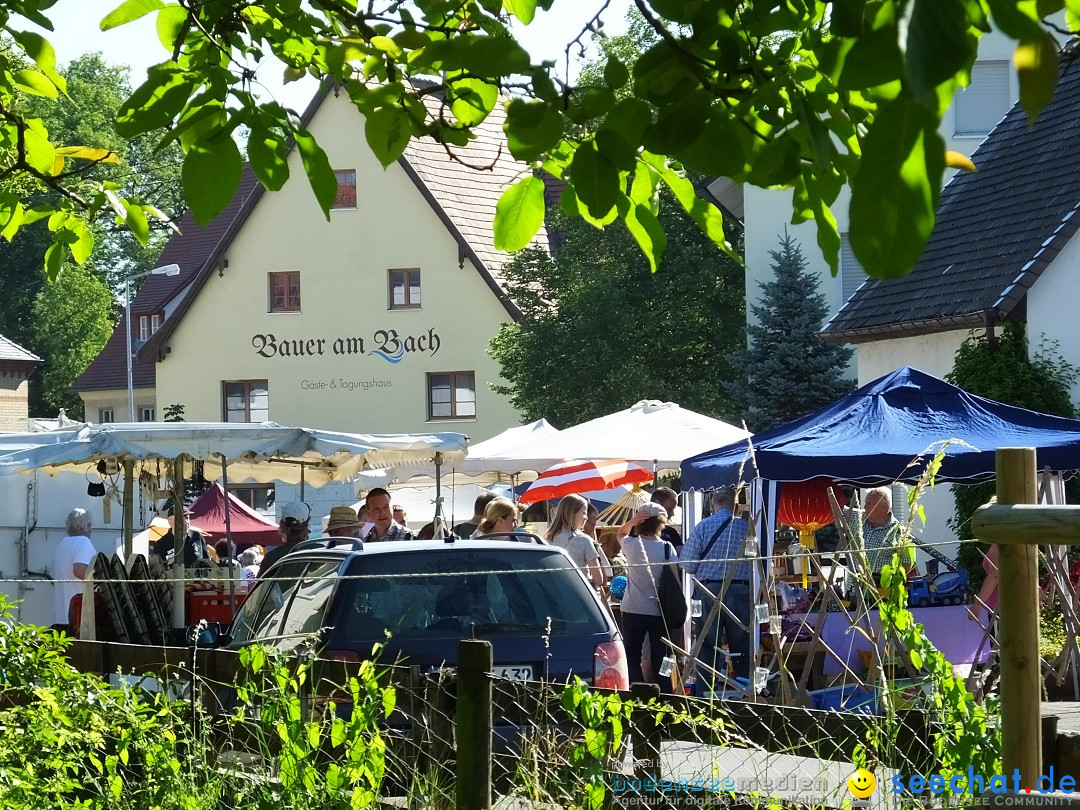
(294, 527)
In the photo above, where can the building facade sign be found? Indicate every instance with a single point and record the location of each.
(387, 344)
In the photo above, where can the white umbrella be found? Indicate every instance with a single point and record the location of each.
(651, 433)
(482, 466)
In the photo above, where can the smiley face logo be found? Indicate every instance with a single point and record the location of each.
(862, 784)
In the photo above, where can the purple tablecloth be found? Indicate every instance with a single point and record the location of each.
(947, 627)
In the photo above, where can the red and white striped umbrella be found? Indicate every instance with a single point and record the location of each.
(583, 476)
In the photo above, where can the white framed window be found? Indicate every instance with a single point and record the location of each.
(155, 323)
(105, 416)
(144, 328)
(146, 414)
(978, 107)
(246, 400)
(451, 395)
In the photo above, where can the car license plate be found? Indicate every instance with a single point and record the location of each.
(515, 672)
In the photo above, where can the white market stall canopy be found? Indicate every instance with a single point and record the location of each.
(650, 432)
(481, 467)
(261, 452)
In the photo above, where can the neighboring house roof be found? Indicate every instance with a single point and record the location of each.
(997, 229)
(13, 352)
(190, 250)
(462, 191)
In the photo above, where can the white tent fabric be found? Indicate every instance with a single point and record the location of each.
(648, 432)
(261, 452)
(482, 466)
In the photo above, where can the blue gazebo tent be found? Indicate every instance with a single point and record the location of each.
(888, 431)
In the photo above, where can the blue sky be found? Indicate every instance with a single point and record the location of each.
(137, 45)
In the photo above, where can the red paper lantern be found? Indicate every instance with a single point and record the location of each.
(804, 505)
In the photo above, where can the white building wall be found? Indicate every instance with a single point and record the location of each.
(343, 266)
(1051, 308)
(930, 353)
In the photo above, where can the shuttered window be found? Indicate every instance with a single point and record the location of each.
(979, 106)
(851, 272)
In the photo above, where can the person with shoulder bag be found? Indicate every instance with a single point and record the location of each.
(650, 560)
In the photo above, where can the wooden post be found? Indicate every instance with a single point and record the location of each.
(645, 732)
(1018, 616)
(129, 509)
(473, 776)
(179, 607)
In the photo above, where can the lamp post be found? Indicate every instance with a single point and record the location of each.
(165, 270)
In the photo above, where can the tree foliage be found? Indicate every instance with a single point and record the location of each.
(1000, 367)
(805, 94)
(72, 321)
(788, 370)
(601, 331)
(95, 91)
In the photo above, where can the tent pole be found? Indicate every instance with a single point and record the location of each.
(179, 541)
(302, 481)
(438, 497)
(655, 473)
(229, 548)
(129, 509)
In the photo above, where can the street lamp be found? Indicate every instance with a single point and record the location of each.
(166, 270)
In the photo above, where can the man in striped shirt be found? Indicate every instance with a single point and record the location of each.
(715, 546)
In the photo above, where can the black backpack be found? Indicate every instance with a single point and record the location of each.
(669, 593)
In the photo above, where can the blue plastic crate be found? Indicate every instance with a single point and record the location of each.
(847, 698)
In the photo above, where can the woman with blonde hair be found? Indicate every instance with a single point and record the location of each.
(500, 515)
(565, 531)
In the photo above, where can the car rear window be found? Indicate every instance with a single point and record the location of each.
(288, 606)
(435, 593)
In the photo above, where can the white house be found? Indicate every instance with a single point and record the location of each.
(766, 212)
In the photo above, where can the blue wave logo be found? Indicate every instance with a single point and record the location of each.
(396, 357)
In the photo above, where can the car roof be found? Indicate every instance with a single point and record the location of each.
(413, 546)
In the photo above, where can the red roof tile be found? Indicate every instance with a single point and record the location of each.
(191, 249)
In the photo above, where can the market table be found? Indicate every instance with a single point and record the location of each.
(948, 628)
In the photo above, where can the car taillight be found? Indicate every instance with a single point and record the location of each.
(341, 655)
(609, 666)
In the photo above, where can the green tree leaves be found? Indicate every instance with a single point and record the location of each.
(388, 132)
(128, 11)
(895, 194)
(657, 334)
(801, 95)
(519, 214)
(211, 176)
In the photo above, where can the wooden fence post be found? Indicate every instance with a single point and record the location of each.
(645, 732)
(474, 723)
(1018, 617)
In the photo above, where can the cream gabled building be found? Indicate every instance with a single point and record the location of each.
(377, 320)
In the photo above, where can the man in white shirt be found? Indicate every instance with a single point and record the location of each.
(70, 563)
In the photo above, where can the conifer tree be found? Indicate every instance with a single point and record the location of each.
(788, 370)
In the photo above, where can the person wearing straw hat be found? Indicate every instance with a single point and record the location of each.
(343, 523)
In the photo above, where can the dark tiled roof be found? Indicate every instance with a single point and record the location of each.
(191, 250)
(997, 229)
(462, 191)
(13, 352)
